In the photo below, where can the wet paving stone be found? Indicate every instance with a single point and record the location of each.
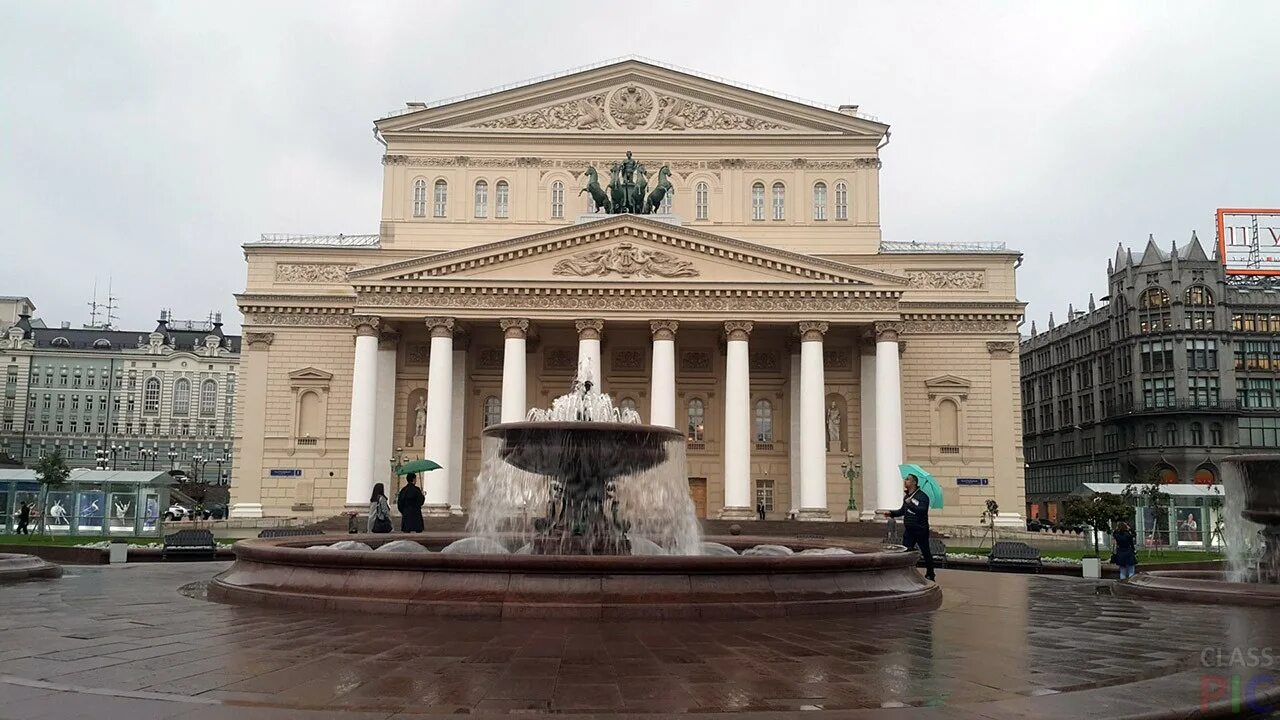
(141, 641)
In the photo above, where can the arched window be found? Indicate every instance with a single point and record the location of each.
(779, 201)
(441, 206)
(1170, 435)
(1215, 434)
(482, 199)
(151, 396)
(820, 201)
(182, 397)
(1197, 434)
(948, 424)
(1204, 475)
(310, 415)
(1149, 434)
(757, 201)
(701, 201)
(557, 199)
(102, 344)
(492, 411)
(1200, 296)
(208, 398)
(1153, 311)
(61, 342)
(764, 421)
(502, 201)
(842, 200)
(420, 198)
(697, 421)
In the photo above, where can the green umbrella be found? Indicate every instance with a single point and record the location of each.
(418, 466)
(927, 483)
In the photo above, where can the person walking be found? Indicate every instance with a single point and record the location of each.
(1125, 556)
(915, 522)
(409, 502)
(379, 511)
(24, 517)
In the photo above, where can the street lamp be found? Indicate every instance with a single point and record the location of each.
(852, 471)
(115, 450)
(148, 455)
(173, 458)
(220, 460)
(198, 462)
(100, 458)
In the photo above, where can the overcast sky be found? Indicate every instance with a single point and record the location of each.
(145, 142)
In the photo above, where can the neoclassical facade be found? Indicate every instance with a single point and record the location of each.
(756, 308)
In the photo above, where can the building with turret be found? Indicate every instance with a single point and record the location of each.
(1169, 372)
(125, 399)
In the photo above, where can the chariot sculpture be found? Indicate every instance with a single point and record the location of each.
(628, 190)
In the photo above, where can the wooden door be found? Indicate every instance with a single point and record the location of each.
(698, 491)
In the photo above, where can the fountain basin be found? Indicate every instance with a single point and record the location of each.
(1203, 586)
(284, 573)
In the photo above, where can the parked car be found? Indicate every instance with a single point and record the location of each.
(215, 511)
(176, 512)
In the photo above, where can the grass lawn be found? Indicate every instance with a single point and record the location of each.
(34, 539)
(1144, 557)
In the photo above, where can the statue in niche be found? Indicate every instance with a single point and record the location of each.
(420, 419)
(833, 427)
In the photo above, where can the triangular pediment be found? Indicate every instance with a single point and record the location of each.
(948, 384)
(311, 374)
(631, 96)
(628, 248)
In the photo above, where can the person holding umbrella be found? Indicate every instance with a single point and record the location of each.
(410, 499)
(915, 516)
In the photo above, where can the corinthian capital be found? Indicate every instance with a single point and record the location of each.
(738, 329)
(813, 330)
(259, 338)
(996, 348)
(439, 326)
(590, 329)
(888, 331)
(664, 329)
(366, 325)
(514, 328)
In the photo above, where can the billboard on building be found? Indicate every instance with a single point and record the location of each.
(1249, 240)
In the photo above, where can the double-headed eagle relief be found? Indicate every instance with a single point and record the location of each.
(628, 189)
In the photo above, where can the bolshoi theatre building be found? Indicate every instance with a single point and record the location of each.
(709, 254)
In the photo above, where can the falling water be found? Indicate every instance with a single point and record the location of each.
(1241, 536)
(584, 477)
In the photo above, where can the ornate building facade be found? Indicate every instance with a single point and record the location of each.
(752, 304)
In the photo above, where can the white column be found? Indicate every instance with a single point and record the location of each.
(888, 417)
(662, 388)
(738, 501)
(384, 425)
(793, 417)
(867, 418)
(589, 332)
(364, 407)
(440, 420)
(813, 425)
(457, 438)
(515, 398)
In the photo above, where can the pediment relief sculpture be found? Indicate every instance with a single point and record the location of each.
(626, 260)
(631, 107)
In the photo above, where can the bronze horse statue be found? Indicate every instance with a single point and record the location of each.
(598, 195)
(660, 190)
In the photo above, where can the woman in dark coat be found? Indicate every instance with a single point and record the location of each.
(409, 502)
(1126, 554)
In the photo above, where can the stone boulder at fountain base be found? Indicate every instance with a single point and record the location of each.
(768, 551)
(403, 546)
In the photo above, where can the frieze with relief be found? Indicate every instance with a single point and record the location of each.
(489, 358)
(312, 272)
(695, 361)
(560, 358)
(581, 114)
(837, 359)
(947, 279)
(625, 260)
(627, 359)
(308, 319)
(638, 301)
(763, 362)
(417, 354)
(913, 327)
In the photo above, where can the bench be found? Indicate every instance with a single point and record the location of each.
(198, 544)
(1014, 555)
(281, 532)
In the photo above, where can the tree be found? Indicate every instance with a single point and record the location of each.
(1098, 511)
(51, 471)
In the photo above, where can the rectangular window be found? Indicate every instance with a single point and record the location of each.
(1203, 391)
(1158, 393)
(779, 202)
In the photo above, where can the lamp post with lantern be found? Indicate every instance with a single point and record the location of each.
(852, 472)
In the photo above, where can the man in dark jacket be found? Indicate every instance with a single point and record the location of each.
(24, 517)
(915, 522)
(409, 502)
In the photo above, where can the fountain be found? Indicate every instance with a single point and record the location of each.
(580, 511)
(1252, 520)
